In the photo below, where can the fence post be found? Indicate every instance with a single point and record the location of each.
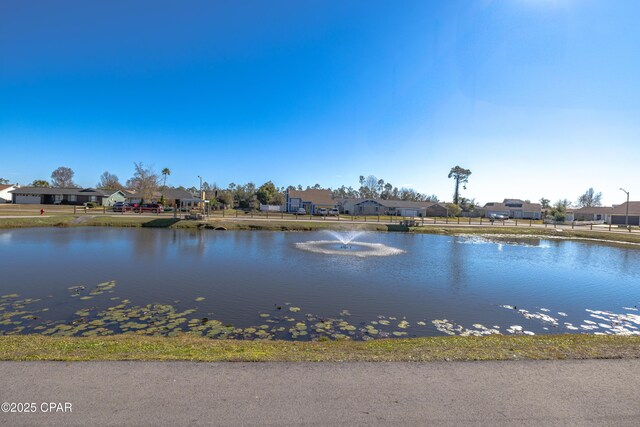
(469, 220)
(503, 222)
(446, 220)
(480, 220)
(422, 220)
(609, 227)
(236, 213)
(458, 220)
(74, 209)
(434, 219)
(281, 215)
(516, 222)
(591, 226)
(378, 218)
(530, 223)
(572, 223)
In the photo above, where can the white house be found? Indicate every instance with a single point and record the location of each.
(5, 195)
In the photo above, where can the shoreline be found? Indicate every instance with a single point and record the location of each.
(187, 347)
(192, 348)
(61, 221)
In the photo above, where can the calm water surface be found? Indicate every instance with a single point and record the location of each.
(241, 274)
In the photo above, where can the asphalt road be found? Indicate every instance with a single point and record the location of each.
(593, 392)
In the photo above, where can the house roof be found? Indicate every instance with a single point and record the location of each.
(63, 191)
(5, 186)
(177, 193)
(634, 209)
(513, 204)
(396, 203)
(169, 194)
(317, 197)
(594, 210)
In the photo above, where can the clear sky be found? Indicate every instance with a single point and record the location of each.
(536, 97)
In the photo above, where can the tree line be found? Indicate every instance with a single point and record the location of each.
(146, 182)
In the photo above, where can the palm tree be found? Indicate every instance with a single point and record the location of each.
(165, 172)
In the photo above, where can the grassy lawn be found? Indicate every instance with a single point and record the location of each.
(131, 220)
(192, 348)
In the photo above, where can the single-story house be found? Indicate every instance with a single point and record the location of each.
(171, 196)
(619, 214)
(513, 208)
(66, 196)
(593, 213)
(309, 200)
(5, 193)
(392, 207)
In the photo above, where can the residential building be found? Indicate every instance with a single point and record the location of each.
(513, 208)
(309, 200)
(66, 196)
(392, 207)
(172, 196)
(593, 213)
(619, 213)
(5, 193)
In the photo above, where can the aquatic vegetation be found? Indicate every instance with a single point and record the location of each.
(610, 323)
(104, 315)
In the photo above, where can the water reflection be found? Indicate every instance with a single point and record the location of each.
(463, 279)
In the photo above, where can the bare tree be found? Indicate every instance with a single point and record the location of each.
(589, 199)
(370, 186)
(461, 176)
(109, 181)
(62, 178)
(145, 182)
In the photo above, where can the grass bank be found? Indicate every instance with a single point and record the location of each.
(192, 348)
(169, 222)
(529, 231)
(305, 225)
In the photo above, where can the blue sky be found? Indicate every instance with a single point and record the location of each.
(536, 97)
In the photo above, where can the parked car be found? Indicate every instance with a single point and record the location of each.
(301, 211)
(499, 217)
(149, 207)
(322, 211)
(334, 212)
(122, 207)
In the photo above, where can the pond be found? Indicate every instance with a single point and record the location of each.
(311, 285)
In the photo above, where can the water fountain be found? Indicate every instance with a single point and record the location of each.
(345, 243)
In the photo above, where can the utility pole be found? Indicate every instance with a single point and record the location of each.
(200, 193)
(626, 220)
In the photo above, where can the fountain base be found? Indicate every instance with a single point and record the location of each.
(357, 249)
